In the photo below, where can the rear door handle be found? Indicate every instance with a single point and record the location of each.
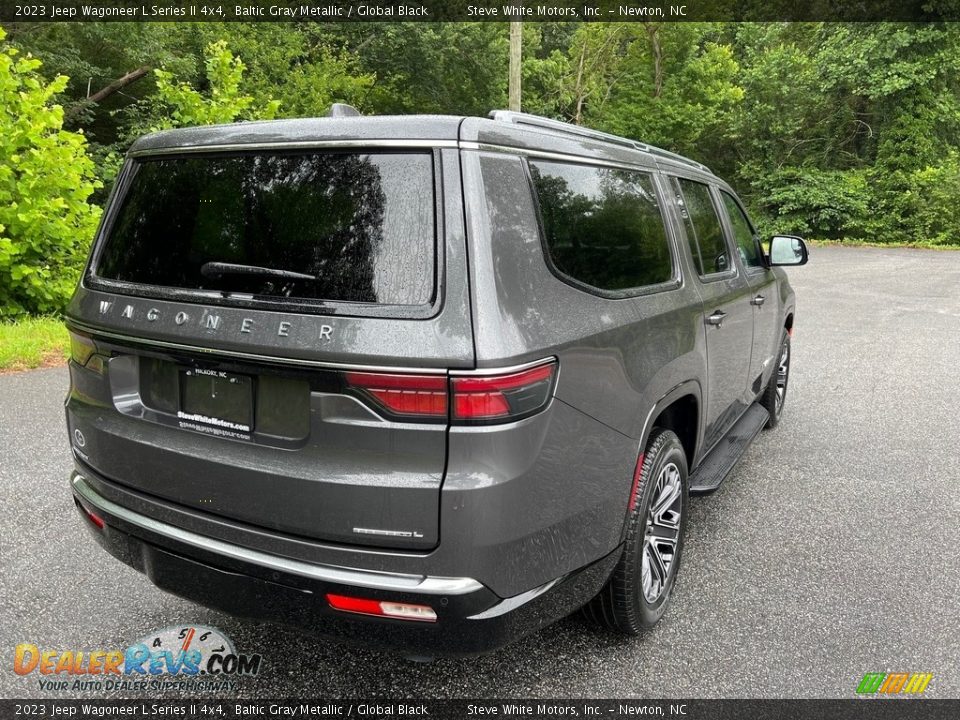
(717, 318)
(758, 300)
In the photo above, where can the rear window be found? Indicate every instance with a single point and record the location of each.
(331, 227)
(603, 227)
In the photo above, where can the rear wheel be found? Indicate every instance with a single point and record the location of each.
(775, 394)
(636, 595)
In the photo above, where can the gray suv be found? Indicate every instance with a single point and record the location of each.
(422, 383)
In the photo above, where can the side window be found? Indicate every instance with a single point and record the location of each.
(743, 233)
(603, 227)
(704, 231)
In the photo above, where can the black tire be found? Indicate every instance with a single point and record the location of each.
(771, 399)
(623, 605)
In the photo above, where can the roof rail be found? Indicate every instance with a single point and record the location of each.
(519, 118)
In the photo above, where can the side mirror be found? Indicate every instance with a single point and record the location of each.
(788, 250)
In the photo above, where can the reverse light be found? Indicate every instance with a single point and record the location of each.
(382, 608)
(411, 395)
(506, 396)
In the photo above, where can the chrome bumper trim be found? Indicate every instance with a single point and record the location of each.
(397, 582)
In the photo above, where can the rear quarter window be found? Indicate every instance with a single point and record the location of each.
(603, 227)
(341, 227)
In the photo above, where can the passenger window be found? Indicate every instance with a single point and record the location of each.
(704, 231)
(743, 233)
(603, 227)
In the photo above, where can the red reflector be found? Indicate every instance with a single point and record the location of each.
(94, 518)
(382, 608)
(484, 397)
(636, 482)
(424, 395)
(352, 604)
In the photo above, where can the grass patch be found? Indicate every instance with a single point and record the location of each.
(33, 342)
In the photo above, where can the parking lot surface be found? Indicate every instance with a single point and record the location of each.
(832, 550)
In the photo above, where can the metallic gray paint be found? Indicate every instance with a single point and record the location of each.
(513, 506)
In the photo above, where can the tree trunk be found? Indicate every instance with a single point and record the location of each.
(105, 92)
(515, 56)
(653, 34)
(578, 88)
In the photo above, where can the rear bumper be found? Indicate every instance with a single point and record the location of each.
(471, 619)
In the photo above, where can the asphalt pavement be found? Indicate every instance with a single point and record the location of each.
(831, 551)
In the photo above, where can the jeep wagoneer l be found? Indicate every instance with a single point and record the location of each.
(423, 383)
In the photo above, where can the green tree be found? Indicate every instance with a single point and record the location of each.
(46, 178)
(179, 104)
(675, 86)
(306, 68)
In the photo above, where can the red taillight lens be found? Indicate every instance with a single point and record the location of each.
(474, 398)
(411, 395)
(478, 398)
(382, 608)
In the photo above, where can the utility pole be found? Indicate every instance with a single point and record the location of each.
(515, 47)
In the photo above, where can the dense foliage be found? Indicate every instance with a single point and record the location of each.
(45, 180)
(836, 131)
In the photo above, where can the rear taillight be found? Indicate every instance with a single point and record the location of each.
(422, 396)
(502, 396)
(82, 348)
(382, 608)
(468, 398)
(84, 352)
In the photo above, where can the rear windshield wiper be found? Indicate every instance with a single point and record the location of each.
(216, 270)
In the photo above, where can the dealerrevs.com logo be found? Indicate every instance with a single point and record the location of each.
(190, 657)
(895, 683)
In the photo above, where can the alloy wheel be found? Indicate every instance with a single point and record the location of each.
(662, 533)
(783, 373)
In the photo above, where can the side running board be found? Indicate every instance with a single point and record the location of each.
(721, 460)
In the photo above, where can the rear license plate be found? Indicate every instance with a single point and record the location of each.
(217, 398)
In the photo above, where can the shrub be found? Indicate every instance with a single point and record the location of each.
(46, 178)
(823, 204)
(922, 205)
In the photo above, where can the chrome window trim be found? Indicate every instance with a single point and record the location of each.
(391, 582)
(290, 145)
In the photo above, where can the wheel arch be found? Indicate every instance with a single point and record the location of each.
(679, 410)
